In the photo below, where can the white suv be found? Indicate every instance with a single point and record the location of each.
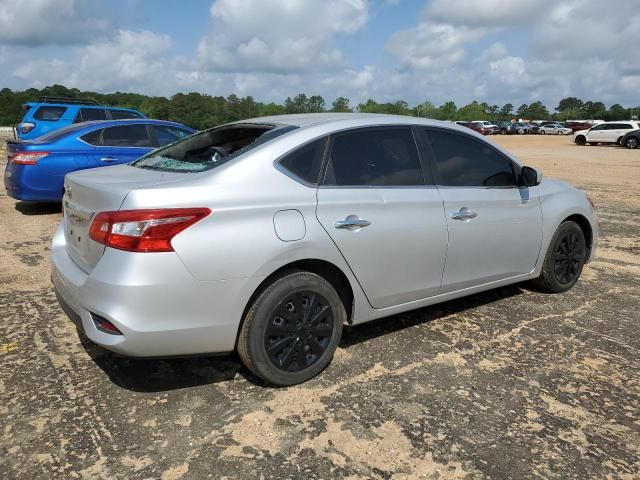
(607, 132)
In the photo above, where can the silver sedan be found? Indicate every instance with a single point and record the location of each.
(268, 235)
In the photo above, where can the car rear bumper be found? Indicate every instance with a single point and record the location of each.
(21, 183)
(159, 307)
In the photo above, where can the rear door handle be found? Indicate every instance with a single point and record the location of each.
(108, 159)
(464, 214)
(352, 222)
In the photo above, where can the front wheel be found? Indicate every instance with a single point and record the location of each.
(580, 140)
(632, 142)
(292, 329)
(566, 255)
(542, 132)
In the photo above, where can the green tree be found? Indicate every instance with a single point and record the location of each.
(341, 104)
(472, 111)
(506, 112)
(447, 111)
(569, 103)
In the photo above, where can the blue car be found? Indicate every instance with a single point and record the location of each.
(36, 168)
(51, 113)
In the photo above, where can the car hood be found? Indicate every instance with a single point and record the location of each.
(582, 131)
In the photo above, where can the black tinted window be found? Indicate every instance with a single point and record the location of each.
(126, 136)
(49, 113)
(375, 157)
(92, 138)
(167, 135)
(89, 114)
(463, 161)
(123, 114)
(306, 161)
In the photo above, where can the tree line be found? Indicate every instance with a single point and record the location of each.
(203, 111)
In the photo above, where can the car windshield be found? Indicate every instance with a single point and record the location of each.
(211, 148)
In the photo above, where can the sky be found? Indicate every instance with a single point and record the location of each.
(493, 51)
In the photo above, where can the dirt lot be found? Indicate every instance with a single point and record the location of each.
(506, 384)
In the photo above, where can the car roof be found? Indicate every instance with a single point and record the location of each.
(79, 105)
(346, 120)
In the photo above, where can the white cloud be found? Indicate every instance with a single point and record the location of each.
(47, 22)
(486, 13)
(280, 36)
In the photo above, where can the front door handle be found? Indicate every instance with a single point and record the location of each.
(352, 222)
(108, 159)
(464, 214)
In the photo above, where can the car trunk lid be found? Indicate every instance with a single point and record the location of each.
(99, 190)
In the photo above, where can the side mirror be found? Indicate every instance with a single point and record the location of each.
(530, 177)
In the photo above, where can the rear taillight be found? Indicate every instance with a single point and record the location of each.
(27, 158)
(143, 230)
(26, 127)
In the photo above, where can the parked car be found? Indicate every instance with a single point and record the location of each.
(51, 113)
(554, 129)
(489, 125)
(506, 128)
(630, 140)
(36, 168)
(268, 235)
(577, 126)
(606, 132)
(522, 128)
(480, 128)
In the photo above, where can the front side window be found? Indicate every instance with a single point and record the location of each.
(90, 114)
(463, 161)
(306, 161)
(49, 114)
(126, 136)
(374, 157)
(599, 127)
(211, 148)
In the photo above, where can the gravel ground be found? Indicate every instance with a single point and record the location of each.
(511, 383)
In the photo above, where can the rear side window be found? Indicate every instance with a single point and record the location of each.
(167, 135)
(92, 138)
(211, 148)
(305, 162)
(126, 136)
(123, 114)
(374, 157)
(90, 114)
(49, 113)
(463, 161)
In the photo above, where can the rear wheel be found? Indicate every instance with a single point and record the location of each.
(581, 140)
(565, 258)
(632, 142)
(292, 329)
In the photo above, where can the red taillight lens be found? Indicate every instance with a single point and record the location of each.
(27, 158)
(143, 230)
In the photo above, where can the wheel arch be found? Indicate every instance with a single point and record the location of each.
(325, 269)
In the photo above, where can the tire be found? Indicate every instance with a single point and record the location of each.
(564, 260)
(542, 132)
(503, 131)
(632, 142)
(581, 140)
(521, 132)
(301, 344)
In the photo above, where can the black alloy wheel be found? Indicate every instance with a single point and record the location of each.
(569, 257)
(291, 330)
(299, 331)
(632, 142)
(564, 260)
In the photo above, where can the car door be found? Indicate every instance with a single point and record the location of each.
(122, 144)
(383, 214)
(597, 133)
(495, 227)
